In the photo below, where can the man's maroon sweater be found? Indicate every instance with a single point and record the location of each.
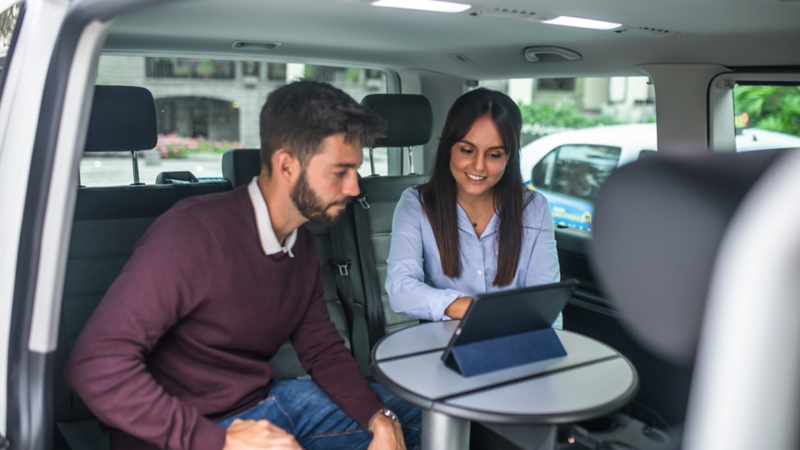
(184, 336)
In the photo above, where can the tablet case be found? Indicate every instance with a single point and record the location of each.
(477, 358)
(516, 331)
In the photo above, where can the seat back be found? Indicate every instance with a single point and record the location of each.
(682, 209)
(382, 195)
(661, 228)
(239, 166)
(409, 121)
(108, 222)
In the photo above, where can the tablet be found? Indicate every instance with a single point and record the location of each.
(511, 312)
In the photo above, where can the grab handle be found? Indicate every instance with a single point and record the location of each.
(532, 53)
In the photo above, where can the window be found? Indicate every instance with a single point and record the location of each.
(575, 132)
(8, 26)
(557, 84)
(8, 22)
(204, 107)
(576, 170)
(767, 116)
(251, 68)
(276, 72)
(206, 69)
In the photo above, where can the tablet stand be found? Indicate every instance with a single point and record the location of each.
(477, 358)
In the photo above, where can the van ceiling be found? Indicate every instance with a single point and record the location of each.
(727, 32)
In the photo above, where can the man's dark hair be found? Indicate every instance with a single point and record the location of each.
(300, 115)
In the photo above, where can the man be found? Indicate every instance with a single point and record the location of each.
(177, 354)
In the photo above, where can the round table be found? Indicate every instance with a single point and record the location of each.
(591, 381)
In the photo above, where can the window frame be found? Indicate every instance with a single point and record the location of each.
(721, 130)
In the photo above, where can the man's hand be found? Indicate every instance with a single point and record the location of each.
(258, 434)
(387, 434)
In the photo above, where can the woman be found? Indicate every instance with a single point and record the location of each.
(473, 228)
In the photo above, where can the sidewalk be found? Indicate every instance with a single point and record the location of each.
(118, 170)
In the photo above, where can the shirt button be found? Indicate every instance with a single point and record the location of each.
(480, 272)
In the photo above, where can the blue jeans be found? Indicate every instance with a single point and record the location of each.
(302, 409)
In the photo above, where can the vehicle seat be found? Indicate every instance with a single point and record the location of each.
(108, 222)
(410, 123)
(659, 224)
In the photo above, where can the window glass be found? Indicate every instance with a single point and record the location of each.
(205, 107)
(8, 25)
(576, 170)
(575, 132)
(8, 22)
(766, 116)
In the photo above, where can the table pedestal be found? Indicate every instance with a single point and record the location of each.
(541, 437)
(443, 432)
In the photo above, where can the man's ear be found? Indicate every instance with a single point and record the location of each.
(284, 164)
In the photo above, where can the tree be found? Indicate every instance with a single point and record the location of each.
(546, 119)
(774, 108)
(8, 20)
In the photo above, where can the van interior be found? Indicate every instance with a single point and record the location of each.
(207, 66)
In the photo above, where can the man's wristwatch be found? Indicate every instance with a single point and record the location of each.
(384, 412)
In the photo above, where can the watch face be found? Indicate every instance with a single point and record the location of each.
(390, 414)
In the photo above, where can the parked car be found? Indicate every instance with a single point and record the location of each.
(569, 167)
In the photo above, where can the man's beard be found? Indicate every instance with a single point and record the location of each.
(310, 205)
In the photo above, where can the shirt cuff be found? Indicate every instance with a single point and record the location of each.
(366, 413)
(447, 297)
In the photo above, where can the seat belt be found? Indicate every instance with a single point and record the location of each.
(341, 241)
(375, 318)
(341, 269)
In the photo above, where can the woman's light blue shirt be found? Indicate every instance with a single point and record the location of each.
(415, 283)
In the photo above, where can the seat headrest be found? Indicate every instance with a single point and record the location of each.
(409, 118)
(123, 119)
(658, 225)
(240, 165)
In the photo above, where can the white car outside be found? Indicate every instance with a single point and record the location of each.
(635, 138)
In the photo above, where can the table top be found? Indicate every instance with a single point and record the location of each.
(592, 380)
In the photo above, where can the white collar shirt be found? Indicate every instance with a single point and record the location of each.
(266, 234)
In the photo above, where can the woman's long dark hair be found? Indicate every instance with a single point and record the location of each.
(438, 195)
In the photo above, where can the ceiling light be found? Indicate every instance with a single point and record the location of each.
(583, 23)
(424, 5)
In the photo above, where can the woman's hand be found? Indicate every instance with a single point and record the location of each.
(258, 434)
(458, 308)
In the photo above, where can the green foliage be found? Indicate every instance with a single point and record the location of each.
(8, 21)
(206, 68)
(561, 116)
(352, 75)
(774, 108)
